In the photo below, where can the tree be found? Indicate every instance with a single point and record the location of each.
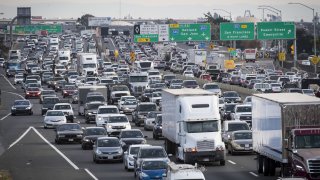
(215, 24)
(84, 20)
(171, 21)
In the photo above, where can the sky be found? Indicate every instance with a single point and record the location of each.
(157, 9)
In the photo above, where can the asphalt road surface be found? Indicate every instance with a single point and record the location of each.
(29, 152)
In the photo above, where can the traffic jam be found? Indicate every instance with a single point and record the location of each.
(161, 111)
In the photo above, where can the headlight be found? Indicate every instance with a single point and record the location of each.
(87, 140)
(13, 108)
(128, 126)
(144, 175)
(109, 126)
(89, 113)
(299, 168)
(98, 152)
(120, 151)
(99, 118)
(191, 149)
(79, 135)
(28, 108)
(131, 158)
(144, 141)
(61, 136)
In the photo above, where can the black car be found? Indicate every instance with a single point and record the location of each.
(231, 97)
(90, 135)
(69, 132)
(190, 84)
(139, 114)
(48, 103)
(157, 128)
(21, 107)
(227, 111)
(90, 110)
(146, 95)
(131, 136)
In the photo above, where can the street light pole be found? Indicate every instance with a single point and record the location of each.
(314, 31)
(279, 11)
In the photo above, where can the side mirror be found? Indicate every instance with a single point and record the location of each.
(145, 136)
(286, 143)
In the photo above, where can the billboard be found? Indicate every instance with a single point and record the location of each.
(99, 21)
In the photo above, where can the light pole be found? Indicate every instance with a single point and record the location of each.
(314, 30)
(225, 12)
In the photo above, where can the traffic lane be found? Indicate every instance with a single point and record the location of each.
(32, 158)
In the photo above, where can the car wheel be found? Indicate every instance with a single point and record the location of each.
(222, 162)
(45, 126)
(57, 141)
(31, 113)
(13, 114)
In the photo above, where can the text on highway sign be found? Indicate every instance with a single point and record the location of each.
(276, 30)
(236, 31)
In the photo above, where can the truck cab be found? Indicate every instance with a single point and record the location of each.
(183, 171)
(138, 82)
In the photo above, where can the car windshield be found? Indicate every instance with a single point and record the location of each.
(238, 126)
(120, 88)
(177, 81)
(147, 107)
(108, 143)
(242, 135)
(94, 106)
(152, 153)
(21, 103)
(59, 107)
(154, 165)
(117, 119)
(134, 150)
(190, 83)
(154, 73)
(70, 88)
(156, 94)
(54, 113)
(88, 65)
(95, 131)
(138, 78)
(131, 134)
(50, 100)
(169, 77)
(200, 127)
(275, 85)
(95, 98)
(108, 111)
(69, 127)
(130, 102)
(307, 141)
(231, 94)
(211, 86)
(307, 91)
(243, 109)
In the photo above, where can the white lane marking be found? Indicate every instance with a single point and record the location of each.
(56, 149)
(93, 177)
(15, 142)
(5, 117)
(231, 162)
(14, 94)
(113, 43)
(8, 81)
(253, 174)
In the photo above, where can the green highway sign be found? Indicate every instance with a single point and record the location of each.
(276, 30)
(189, 32)
(236, 31)
(146, 38)
(32, 29)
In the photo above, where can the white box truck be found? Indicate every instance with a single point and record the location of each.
(87, 64)
(197, 56)
(286, 134)
(191, 125)
(83, 92)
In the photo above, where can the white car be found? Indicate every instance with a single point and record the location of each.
(67, 110)
(54, 118)
(128, 160)
(18, 79)
(72, 79)
(123, 99)
(149, 120)
(115, 123)
(155, 97)
(103, 113)
(128, 106)
(212, 87)
(188, 74)
(241, 111)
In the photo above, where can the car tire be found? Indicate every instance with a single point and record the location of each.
(31, 113)
(222, 162)
(57, 141)
(45, 127)
(13, 114)
(266, 167)
(259, 164)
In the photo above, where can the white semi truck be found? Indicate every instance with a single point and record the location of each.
(191, 125)
(197, 56)
(87, 64)
(286, 134)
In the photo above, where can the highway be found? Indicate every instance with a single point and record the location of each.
(28, 149)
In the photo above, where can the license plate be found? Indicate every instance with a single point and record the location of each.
(246, 145)
(71, 140)
(246, 148)
(110, 157)
(206, 159)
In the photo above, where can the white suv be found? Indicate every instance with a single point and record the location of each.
(67, 110)
(104, 112)
(115, 123)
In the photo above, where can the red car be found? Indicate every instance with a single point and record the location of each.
(68, 90)
(206, 77)
(32, 92)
